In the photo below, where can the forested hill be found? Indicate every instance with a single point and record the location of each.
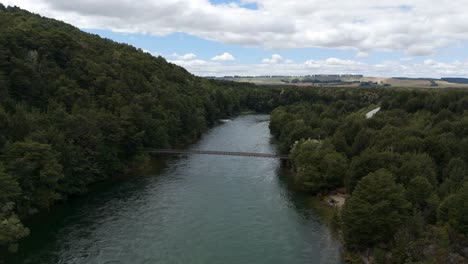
(405, 170)
(76, 108)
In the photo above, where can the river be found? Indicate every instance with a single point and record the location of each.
(197, 209)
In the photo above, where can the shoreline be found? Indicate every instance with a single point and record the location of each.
(330, 206)
(330, 212)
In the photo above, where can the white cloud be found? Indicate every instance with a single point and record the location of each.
(223, 57)
(420, 50)
(406, 59)
(417, 27)
(428, 68)
(190, 64)
(156, 54)
(362, 55)
(188, 56)
(336, 61)
(275, 59)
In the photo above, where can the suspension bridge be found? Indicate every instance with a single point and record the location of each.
(215, 152)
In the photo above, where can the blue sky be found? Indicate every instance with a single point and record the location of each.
(252, 6)
(182, 43)
(413, 38)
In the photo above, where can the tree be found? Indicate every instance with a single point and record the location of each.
(35, 167)
(318, 166)
(419, 164)
(369, 161)
(339, 141)
(418, 191)
(454, 210)
(455, 174)
(375, 210)
(361, 142)
(11, 229)
(9, 187)
(333, 166)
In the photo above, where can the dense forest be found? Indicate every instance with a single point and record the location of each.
(76, 109)
(406, 169)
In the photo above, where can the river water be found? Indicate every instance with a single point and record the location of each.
(197, 209)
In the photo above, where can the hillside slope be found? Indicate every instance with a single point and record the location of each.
(76, 108)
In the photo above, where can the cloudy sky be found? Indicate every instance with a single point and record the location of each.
(414, 38)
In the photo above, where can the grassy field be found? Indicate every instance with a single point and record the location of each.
(351, 82)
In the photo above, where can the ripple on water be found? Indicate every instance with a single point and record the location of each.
(199, 209)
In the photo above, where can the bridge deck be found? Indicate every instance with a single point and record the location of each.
(215, 152)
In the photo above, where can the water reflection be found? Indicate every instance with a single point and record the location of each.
(198, 209)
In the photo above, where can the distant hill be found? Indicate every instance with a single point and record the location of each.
(412, 79)
(456, 80)
(349, 80)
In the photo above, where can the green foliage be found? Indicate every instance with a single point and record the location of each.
(369, 161)
(454, 210)
(9, 187)
(455, 174)
(11, 229)
(319, 168)
(76, 109)
(418, 191)
(35, 167)
(419, 164)
(375, 210)
(420, 137)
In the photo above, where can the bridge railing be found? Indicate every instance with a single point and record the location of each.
(216, 152)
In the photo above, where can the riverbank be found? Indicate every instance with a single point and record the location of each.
(141, 164)
(197, 209)
(331, 214)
